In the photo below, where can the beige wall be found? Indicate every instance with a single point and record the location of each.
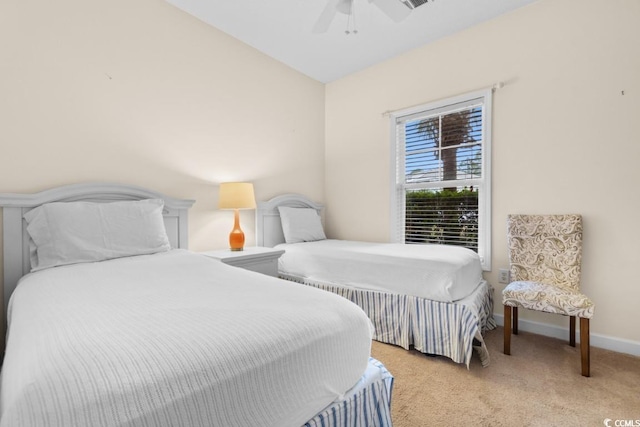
(565, 137)
(139, 92)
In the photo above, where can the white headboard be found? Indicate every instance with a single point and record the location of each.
(268, 226)
(17, 262)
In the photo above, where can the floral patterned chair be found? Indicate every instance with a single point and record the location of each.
(545, 253)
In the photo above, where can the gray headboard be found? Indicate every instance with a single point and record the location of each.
(268, 226)
(16, 240)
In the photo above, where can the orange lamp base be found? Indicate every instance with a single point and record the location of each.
(236, 238)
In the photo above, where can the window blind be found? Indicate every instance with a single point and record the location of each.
(441, 193)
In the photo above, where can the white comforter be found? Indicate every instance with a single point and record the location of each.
(175, 339)
(435, 272)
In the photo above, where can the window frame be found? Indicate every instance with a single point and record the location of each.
(397, 218)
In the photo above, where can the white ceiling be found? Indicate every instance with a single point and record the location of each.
(282, 29)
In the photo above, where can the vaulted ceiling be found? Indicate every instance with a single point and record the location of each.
(282, 29)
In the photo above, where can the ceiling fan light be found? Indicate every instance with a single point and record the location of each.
(345, 6)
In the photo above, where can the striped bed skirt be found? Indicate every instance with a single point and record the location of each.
(447, 329)
(367, 404)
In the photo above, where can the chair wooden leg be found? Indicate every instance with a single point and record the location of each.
(515, 320)
(572, 331)
(507, 329)
(585, 348)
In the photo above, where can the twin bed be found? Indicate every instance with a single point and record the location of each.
(112, 322)
(429, 297)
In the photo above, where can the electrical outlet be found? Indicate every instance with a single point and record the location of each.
(503, 275)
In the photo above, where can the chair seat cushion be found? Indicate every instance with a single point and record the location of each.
(549, 299)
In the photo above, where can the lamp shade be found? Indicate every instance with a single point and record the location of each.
(236, 195)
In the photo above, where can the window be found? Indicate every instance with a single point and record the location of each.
(441, 190)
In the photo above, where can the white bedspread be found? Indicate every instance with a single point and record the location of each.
(175, 339)
(435, 272)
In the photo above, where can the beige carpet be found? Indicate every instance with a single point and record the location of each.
(538, 385)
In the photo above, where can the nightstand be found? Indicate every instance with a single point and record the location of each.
(257, 258)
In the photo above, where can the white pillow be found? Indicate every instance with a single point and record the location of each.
(75, 232)
(301, 225)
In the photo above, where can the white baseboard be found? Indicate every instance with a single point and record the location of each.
(602, 341)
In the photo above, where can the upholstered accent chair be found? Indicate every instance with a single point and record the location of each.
(545, 254)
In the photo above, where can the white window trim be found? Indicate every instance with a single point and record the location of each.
(484, 203)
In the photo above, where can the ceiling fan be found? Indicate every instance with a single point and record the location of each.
(397, 10)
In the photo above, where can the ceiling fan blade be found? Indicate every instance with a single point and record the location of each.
(326, 17)
(394, 9)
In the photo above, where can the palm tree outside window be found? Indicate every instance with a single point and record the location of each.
(441, 193)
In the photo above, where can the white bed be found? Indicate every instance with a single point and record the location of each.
(175, 338)
(429, 297)
(435, 272)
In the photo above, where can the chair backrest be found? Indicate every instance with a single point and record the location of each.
(546, 249)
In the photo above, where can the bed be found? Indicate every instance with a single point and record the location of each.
(120, 325)
(428, 297)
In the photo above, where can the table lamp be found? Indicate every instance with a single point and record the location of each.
(236, 196)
